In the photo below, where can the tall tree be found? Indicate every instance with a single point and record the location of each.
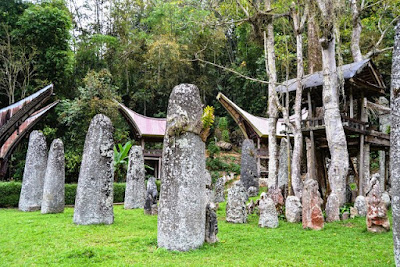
(395, 143)
(335, 135)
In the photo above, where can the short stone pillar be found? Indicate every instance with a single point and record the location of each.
(35, 170)
(182, 209)
(361, 206)
(283, 174)
(150, 206)
(135, 192)
(293, 209)
(248, 167)
(236, 211)
(377, 219)
(94, 195)
(268, 215)
(219, 190)
(312, 214)
(54, 182)
(211, 223)
(332, 208)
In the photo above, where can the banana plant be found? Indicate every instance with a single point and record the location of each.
(121, 154)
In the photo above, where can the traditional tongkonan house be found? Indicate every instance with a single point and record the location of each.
(360, 100)
(18, 119)
(147, 130)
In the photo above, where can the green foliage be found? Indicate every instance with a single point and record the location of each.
(208, 117)
(213, 149)
(10, 192)
(120, 160)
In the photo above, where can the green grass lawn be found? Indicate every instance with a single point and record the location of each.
(36, 239)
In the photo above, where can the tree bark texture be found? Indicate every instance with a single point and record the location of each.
(395, 143)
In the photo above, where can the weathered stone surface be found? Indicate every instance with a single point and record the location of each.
(332, 208)
(252, 191)
(293, 209)
(34, 173)
(283, 164)
(312, 214)
(353, 212)
(268, 215)
(54, 181)
(361, 206)
(150, 206)
(210, 194)
(182, 209)
(386, 199)
(248, 168)
(135, 192)
(377, 219)
(251, 207)
(236, 205)
(94, 195)
(349, 194)
(276, 195)
(211, 223)
(224, 145)
(345, 215)
(220, 190)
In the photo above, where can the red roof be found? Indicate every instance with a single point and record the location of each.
(144, 126)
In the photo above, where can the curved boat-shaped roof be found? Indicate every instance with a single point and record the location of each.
(253, 126)
(9, 145)
(15, 114)
(144, 126)
(364, 70)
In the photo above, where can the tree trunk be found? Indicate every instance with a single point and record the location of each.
(335, 135)
(356, 33)
(395, 143)
(272, 106)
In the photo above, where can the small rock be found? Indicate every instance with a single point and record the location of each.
(268, 214)
(224, 145)
(293, 209)
(386, 199)
(361, 206)
(345, 216)
(353, 212)
(252, 191)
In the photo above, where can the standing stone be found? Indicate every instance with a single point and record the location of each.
(353, 212)
(211, 230)
(332, 208)
(377, 219)
(219, 190)
(94, 195)
(34, 173)
(293, 209)
(386, 199)
(384, 126)
(312, 214)
(345, 215)
(236, 204)
(150, 206)
(135, 193)
(361, 206)
(54, 181)
(283, 176)
(268, 214)
(182, 210)
(210, 195)
(248, 168)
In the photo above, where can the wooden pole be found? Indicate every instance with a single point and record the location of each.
(312, 163)
(258, 156)
(351, 103)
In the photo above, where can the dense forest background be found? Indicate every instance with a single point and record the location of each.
(136, 51)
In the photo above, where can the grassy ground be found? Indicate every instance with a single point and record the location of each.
(35, 239)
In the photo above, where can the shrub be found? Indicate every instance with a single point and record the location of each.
(10, 191)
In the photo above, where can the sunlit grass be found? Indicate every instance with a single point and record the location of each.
(36, 239)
